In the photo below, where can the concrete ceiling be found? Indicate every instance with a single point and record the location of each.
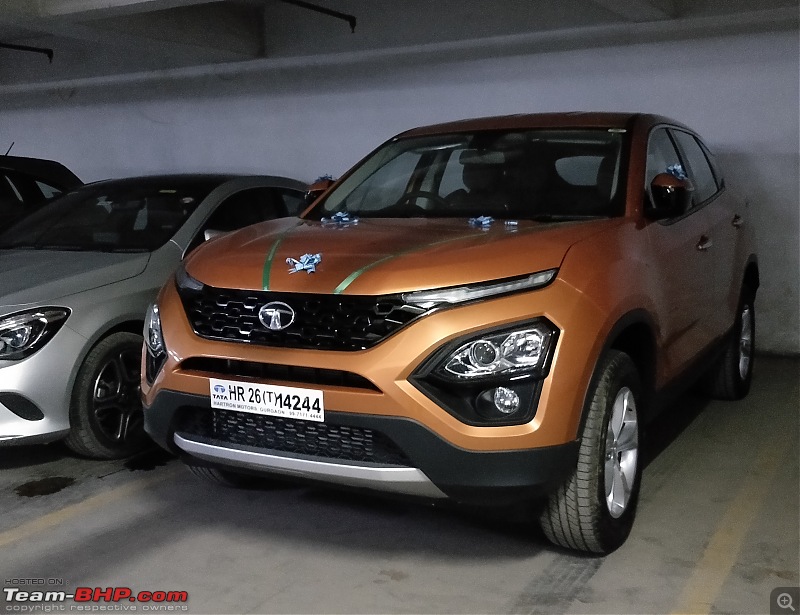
(114, 41)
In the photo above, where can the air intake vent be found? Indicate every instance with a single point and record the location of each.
(321, 440)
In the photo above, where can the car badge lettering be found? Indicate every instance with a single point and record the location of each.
(276, 316)
(307, 262)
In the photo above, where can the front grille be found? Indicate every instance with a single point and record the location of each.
(284, 373)
(327, 322)
(291, 436)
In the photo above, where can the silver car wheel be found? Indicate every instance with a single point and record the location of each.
(115, 397)
(745, 342)
(621, 453)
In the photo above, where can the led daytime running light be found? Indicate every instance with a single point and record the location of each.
(459, 294)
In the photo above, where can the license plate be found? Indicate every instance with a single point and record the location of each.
(267, 399)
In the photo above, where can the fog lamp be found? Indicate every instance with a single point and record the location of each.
(506, 400)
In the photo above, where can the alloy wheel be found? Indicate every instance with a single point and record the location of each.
(745, 342)
(621, 452)
(116, 405)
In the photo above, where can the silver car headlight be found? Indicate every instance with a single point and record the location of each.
(23, 333)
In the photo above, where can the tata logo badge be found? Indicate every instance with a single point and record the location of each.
(218, 388)
(276, 315)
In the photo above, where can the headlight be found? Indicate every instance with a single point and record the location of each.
(493, 378)
(502, 354)
(154, 343)
(24, 333)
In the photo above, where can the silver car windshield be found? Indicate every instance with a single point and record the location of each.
(118, 216)
(531, 174)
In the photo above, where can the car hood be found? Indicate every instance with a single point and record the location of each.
(383, 256)
(41, 276)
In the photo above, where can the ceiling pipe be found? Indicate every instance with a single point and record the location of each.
(42, 50)
(325, 11)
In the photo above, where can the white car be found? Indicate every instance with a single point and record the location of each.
(76, 277)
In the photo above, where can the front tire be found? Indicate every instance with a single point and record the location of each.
(106, 420)
(594, 509)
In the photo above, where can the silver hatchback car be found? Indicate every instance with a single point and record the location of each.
(76, 278)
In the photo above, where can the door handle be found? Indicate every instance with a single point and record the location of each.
(705, 243)
(737, 221)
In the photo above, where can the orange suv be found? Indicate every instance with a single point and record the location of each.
(484, 310)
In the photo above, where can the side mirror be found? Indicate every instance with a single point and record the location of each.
(669, 197)
(318, 188)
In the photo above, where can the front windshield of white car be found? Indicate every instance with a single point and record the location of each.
(532, 174)
(131, 215)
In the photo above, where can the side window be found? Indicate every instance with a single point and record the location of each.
(49, 192)
(661, 155)
(579, 170)
(245, 208)
(712, 160)
(241, 209)
(294, 200)
(705, 186)
(453, 176)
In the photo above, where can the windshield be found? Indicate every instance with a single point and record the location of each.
(533, 174)
(114, 216)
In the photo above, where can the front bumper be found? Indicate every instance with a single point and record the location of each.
(430, 467)
(35, 392)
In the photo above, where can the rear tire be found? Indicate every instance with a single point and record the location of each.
(105, 415)
(732, 374)
(594, 509)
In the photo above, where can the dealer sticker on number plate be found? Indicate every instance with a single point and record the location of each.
(271, 400)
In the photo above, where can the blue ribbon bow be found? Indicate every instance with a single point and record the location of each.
(340, 218)
(481, 221)
(677, 171)
(307, 262)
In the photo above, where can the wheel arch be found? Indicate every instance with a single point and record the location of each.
(123, 326)
(752, 277)
(634, 334)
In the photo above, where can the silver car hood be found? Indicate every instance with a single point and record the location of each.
(43, 276)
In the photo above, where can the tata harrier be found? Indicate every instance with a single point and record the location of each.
(483, 310)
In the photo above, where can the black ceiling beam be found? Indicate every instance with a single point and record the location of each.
(325, 11)
(42, 50)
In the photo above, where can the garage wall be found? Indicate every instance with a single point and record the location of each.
(740, 92)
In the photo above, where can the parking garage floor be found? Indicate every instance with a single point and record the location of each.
(716, 532)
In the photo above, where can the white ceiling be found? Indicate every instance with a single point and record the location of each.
(114, 41)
